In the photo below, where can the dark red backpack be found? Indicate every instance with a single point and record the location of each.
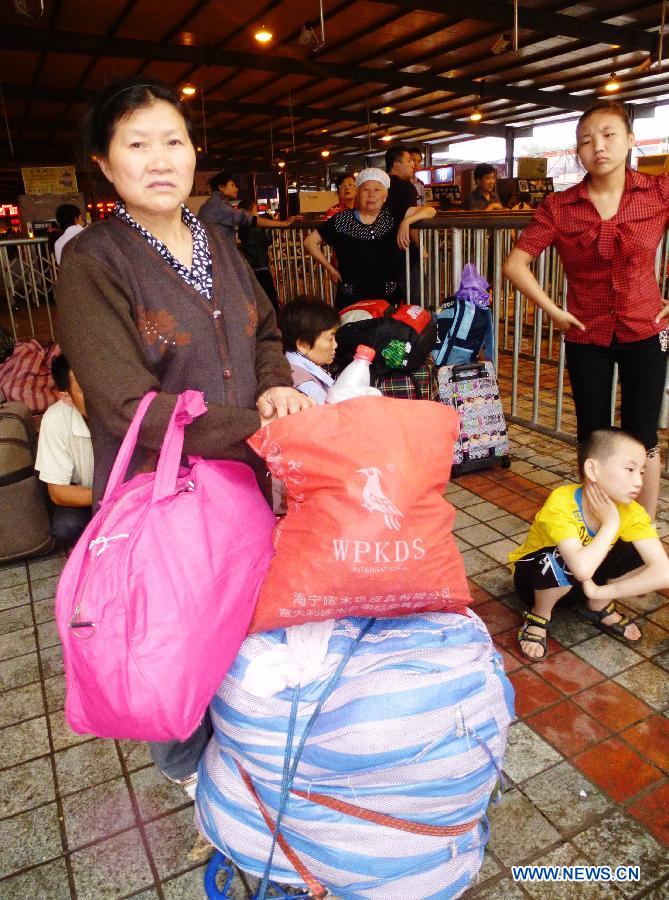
(402, 336)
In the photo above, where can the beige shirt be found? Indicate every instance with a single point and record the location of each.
(64, 451)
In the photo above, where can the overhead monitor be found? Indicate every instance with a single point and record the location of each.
(442, 175)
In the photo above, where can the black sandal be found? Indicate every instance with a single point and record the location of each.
(615, 629)
(531, 619)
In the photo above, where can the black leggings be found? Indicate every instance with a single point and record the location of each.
(641, 370)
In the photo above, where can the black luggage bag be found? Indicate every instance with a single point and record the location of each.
(24, 519)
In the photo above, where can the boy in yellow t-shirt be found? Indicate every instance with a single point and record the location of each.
(594, 536)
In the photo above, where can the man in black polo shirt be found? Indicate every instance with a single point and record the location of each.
(402, 195)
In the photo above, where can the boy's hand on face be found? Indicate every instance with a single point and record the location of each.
(601, 505)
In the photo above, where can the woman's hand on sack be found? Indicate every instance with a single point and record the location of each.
(277, 402)
(564, 320)
(664, 312)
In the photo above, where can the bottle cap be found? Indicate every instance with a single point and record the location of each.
(362, 351)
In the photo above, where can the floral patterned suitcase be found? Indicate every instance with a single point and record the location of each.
(472, 391)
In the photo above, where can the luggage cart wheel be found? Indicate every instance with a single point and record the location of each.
(218, 868)
(505, 462)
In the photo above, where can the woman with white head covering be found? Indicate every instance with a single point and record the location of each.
(369, 243)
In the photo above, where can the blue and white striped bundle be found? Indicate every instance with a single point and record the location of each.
(415, 728)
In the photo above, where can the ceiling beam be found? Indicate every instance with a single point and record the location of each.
(67, 42)
(116, 24)
(540, 20)
(451, 126)
(500, 72)
(343, 115)
(245, 137)
(259, 17)
(329, 48)
(59, 152)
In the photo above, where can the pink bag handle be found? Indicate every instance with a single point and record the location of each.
(127, 448)
(189, 405)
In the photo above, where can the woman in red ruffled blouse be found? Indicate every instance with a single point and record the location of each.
(346, 194)
(607, 229)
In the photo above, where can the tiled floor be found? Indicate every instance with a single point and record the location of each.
(587, 764)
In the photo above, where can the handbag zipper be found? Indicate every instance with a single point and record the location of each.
(74, 621)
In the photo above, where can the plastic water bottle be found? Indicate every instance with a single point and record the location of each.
(355, 380)
(356, 373)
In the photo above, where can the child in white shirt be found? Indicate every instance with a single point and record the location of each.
(65, 457)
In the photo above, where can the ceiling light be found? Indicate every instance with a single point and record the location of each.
(188, 90)
(281, 164)
(325, 153)
(386, 109)
(263, 35)
(386, 137)
(476, 116)
(612, 85)
(324, 131)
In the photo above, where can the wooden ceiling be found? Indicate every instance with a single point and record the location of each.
(430, 62)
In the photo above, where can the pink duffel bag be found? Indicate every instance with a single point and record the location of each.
(156, 598)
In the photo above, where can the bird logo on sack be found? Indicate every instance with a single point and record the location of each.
(375, 500)
(380, 555)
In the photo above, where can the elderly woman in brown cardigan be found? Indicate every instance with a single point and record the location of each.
(153, 300)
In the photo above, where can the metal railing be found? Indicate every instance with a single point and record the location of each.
(528, 353)
(27, 278)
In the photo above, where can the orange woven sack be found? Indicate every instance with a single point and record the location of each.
(368, 532)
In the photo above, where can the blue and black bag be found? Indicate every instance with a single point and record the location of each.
(462, 330)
